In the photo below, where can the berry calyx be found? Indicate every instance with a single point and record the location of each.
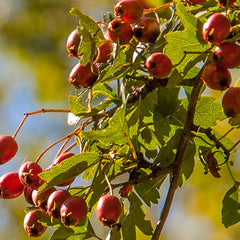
(147, 30)
(83, 76)
(108, 210)
(10, 186)
(120, 31)
(216, 28)
(227, 55)
(73, 43)
(40, 198)
(28, 174)
(158, 65)
(73, 211)
(130, 11)
(55, 201)
(8, 148)
(216, 77)
(32, 225)
(231, 102)
(57, 161)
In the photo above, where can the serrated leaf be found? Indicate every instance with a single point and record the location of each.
(208, 111)
(76, 106)
(103, 89)
(69, 168)
(231, 206)
(189, 40)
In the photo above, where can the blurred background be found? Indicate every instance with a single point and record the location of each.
(34, 66)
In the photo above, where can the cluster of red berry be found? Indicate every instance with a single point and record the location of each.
(130, 22)
(52, 203)
(216, 74)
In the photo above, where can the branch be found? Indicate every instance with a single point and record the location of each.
(179, 157)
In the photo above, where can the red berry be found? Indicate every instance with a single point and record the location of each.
(231, 102)
(10, 185)
(8, 148)
(28, 174)
(130, 11)
(32, 225)
(216, 28)
(216, 77)
(73, 211)
(28, 195)
(83, 76)
(73, 42)
(227, 55)
(147, 30)
(105, 51)
(108, 210)
(40, 198)
(59, 159)
(159, 65)
(55, 201)
(119, 30)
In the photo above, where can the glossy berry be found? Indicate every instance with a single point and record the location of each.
(83, 76)
(108, 210)
(73, 42)
(10, 186)
(120, 31)
(55, 201)
(104, 51)
(57, 161)
(147, 30)
(216, 77)
(73, 211)
(231, 102)
(32, 225)
(193, 2)
(158, 65)
(8, 148)
(130, 11)
(216, 28)
(28, 195)
(28, 174)
(40, 198)
(227, 55)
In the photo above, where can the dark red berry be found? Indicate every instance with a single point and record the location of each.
(159, 65)
(147, 30)
(83, 76)
(28, 195)
(28, 174)
(108, 210)
(32, 225)
(231, 102)
(73, 211)
(104, 51)
(120, 31)
(216, 28)
(216, 77)
(8, 148)
(10, 185)
(130, 11)
(212, 165)
(73, 42)
(57, 161)
(40, 198)
(227, 55)
(55, 201)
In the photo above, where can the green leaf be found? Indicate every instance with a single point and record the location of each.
(76, 106)
(104, 89)
(235, 122)
(208, 112)
(62, 233)
(116, 132)
(231, 206)
(189, 40)
(69, 168)
(88, 23)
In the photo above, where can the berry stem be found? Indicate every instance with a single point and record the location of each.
(43, 110)
(109, 184)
